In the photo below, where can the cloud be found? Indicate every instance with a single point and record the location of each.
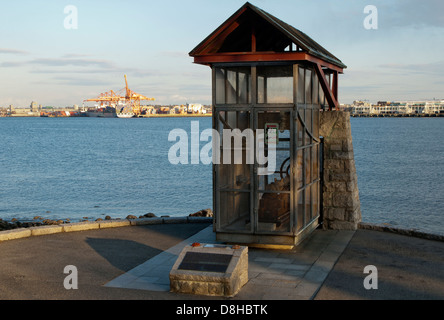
(70, 81)
(60, 62)
(430, 68)
(12, 51)
(10, 64)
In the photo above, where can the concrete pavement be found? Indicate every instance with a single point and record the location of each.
(132, 263)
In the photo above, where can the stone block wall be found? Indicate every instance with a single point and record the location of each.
(341, 205)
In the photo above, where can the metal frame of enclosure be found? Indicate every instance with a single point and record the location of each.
(267, 75)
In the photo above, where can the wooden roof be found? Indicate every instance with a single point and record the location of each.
(252, 34)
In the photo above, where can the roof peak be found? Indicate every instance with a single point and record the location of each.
(270, 34)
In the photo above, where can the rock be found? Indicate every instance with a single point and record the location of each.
(202, 213)
(130, 216)
(107, 218)
(4, 225)
(149, 215)
(99, 219)
(49, 222)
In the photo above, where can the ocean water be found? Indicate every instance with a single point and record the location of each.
(400, 166)
(73, 168)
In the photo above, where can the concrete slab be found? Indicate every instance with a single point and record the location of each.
(291, 274)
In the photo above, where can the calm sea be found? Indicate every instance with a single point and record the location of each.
(400, 166)
(73, 168)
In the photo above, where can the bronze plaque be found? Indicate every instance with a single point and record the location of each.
(212, 262)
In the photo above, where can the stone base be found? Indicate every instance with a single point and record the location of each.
(340, 194)
(207, 269)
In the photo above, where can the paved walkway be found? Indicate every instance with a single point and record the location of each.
(133, 263)
(153, 274)
(273, 274)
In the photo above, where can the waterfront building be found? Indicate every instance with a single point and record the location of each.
(397, 108)
(34, 107)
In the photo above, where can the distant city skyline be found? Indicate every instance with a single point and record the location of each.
(42, 59)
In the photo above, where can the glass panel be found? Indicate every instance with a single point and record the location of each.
(274, 189)
(300, 132)
(221, 120)
(234, 179)
(260, 89)
(307, 205)
(234, 176)
(299, 169)
(301, 85)
(308, 87)
(279, 90)
(315, 88)
(231, 119)
(300, 210)
(243, 120)
(274, 212)
(280, 180)
(236, 148)
(244, 88)
(308, 113)
(277, 84)
(307, 158)
(220, 85)
(279, 123)
(231, 86)
(235, 211)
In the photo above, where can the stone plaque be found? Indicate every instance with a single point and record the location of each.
(200, 261)
(210, 269)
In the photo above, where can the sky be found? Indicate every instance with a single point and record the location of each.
(42, 59)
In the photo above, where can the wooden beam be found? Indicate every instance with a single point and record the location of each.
(253, 40)
(331, 99)
(219, 32)
(216, 43)
(335, 85)
(227, 57)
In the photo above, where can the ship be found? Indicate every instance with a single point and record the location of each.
(102, 112)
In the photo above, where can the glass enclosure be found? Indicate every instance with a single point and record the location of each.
(267, 181)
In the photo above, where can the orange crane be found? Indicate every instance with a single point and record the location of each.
(133, 99)
(130, 99)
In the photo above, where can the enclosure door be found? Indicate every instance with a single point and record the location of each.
(234, 170)
(273, 199)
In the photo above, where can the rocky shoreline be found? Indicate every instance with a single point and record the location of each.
(40, 221)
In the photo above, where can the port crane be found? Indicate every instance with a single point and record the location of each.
(125, 99)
